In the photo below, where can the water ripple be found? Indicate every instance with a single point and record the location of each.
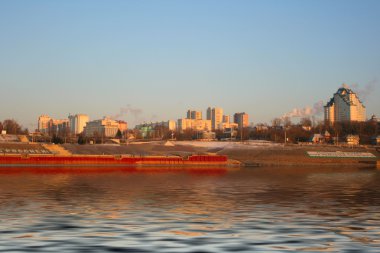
(263, 209)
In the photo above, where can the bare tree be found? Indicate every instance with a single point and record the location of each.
(12, 127)
(287, 122)
(276, 122)
(306, 122)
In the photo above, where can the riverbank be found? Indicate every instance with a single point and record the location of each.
(298, 156)
(248, 153)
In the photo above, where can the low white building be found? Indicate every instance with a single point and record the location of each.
(318, 138)
(194, 124)
(352, 140)
(227, 125)
(170, 124)
(105, 127)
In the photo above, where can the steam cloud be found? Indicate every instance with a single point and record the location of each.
(306, 111)
(317, 109)
(130, 110)
(136, 113)
(366, 91)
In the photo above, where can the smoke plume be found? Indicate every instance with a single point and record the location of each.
(136, 114)
(365, 92)
(306, 111)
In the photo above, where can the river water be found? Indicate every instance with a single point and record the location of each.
(258, 209)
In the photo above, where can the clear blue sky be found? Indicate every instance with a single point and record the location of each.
(163, 57)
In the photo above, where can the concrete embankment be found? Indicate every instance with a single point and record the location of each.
(57, 149)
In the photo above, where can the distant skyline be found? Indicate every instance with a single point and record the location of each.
(154, 60)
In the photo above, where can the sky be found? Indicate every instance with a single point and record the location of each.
(153, 60)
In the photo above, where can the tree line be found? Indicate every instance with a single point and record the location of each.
(303, 131)
(276, 131)
(306, 128)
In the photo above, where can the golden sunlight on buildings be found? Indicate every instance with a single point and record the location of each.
(78, 122)
(344, 106)
(105, 127)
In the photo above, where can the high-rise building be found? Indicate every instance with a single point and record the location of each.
(194, 114)
(194, 121)
(216, 118)
(61, 127)
(50, 126)
(43, 123)
(58, 127)
(242, 119)
(344, 106)
(78, 122)
(226, 118)
(208, 114)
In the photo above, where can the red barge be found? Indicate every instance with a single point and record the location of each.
(19, 160)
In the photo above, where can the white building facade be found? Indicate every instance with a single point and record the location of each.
(43, 123)
(216, 117)
(105, 127)
(194, 124)
(345, 105)
(78, 122)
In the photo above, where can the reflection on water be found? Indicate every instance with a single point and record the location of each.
(260, 209)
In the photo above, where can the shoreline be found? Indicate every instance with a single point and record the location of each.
(238, 154)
